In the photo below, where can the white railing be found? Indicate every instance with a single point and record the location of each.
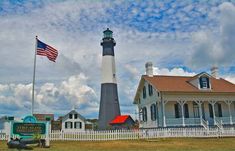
(225, 120)
(192, 121)
(179, 121)
(138, 134)
(204, 124)
(218, 122)
(174, 122)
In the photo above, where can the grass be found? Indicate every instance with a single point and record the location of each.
(169, 144)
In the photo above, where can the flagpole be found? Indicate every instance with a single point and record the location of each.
(34, 69)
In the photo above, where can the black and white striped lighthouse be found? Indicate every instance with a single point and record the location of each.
(109, 104)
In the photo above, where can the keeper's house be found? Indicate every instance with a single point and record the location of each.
(180, 101)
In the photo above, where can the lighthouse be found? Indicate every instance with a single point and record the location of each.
(109, 104)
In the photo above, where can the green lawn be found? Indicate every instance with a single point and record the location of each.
(176, 144)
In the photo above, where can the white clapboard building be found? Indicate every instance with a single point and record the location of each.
(4, 124)
(73, 122)
(185, 101)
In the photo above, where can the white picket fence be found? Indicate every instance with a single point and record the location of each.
(137, 134)
(142, 134)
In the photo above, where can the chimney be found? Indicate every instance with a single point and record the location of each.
(149, 69)
(214, 72)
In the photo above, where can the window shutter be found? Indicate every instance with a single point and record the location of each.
(75, 125)
(80, 125)
(200, 80)
(186, 113)
(71, 125)
(153, 112)
(66, 125)
(176, 111)
(154, 115)
(150, 89)
(144, 92)
(157, 116)
(220, 110)
(144, 114)
(208, 84)
(211, 111)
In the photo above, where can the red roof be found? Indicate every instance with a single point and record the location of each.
(120, 119)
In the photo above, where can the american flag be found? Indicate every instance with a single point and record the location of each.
(46, 50)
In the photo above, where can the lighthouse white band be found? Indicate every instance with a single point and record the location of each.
(108, 70)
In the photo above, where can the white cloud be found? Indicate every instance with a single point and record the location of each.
(215, 47)
(172, 72)
(230, 78)
(50, 97)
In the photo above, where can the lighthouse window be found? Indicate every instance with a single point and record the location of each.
(144, 92)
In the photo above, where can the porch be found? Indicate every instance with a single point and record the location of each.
(197, 113)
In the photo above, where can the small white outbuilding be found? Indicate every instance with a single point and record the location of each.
(73, 122)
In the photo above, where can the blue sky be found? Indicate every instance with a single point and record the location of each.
(179, 37)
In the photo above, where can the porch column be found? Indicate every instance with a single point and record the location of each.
(182, 110)
(199, 103)
(229, 109)
(163, 114)
(213, 109)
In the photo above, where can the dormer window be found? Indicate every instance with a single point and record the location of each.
(204, 83)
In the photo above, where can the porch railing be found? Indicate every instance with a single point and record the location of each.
(192, 121)
(219, 122)
(179, 121)
(205, 124)
(225, 120)
(174, 122)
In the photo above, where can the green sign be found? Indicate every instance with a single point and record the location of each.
(29, 129)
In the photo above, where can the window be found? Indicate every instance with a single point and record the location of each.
(153, 112)
(150, 88)
(204, 82)
(218, 110)
(186, 113)
(70, 116)
(144, 92)
(144, 110)
(196, 110)
(75, 116)
(178, 111)
(77, 125)
(68, 125)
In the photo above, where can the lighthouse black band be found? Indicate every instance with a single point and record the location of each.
(109, 104)
(108, 47)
